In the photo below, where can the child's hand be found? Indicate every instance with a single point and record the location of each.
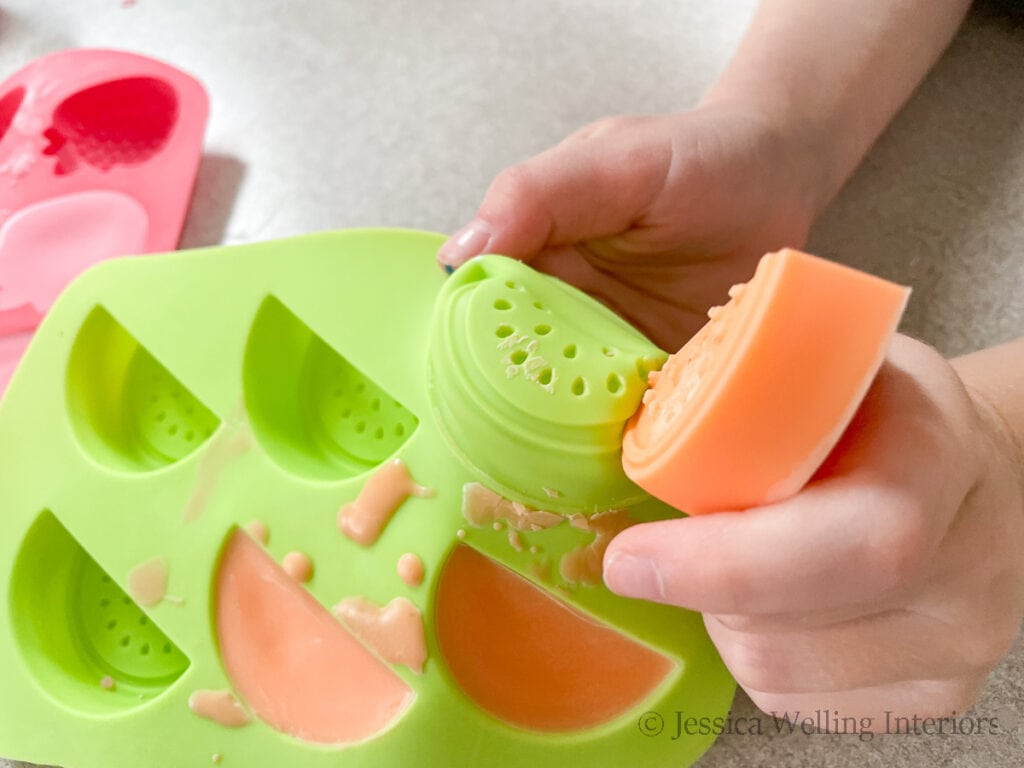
(655, 216)
(893, 582)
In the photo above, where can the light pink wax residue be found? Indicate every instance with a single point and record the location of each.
(387, 489)
(228, 445)
(410, 569)
(394, 631)
(219, 706)
(147, 583)
(258, 530)
(585, 564)
(298, 566)
(481, 506)
(107, 683)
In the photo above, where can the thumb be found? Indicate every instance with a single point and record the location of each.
(594, 184)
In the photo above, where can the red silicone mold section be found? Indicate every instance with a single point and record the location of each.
(99, 150)
(9, 105)
(120, 122)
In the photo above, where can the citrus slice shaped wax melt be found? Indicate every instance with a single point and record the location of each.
(747, 411)
(532, 660)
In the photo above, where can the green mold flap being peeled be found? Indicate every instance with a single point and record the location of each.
(534, 382)
(311, 503)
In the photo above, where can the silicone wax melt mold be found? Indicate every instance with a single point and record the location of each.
(98, 154)
(296, 412)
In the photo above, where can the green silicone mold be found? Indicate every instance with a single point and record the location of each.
(136, 433)
(127, 408)
(77, 627)
(320, 416)
(534, 382)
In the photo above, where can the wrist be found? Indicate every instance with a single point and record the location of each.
(998, 433)
(803, 152)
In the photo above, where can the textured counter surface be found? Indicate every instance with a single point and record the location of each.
(360, 112)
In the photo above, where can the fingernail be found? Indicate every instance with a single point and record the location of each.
(468, 242)
(633, 576)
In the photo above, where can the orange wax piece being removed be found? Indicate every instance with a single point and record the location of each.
(747, 411)
(530, 659)
(291, 661)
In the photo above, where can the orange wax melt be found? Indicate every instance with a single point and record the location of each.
(747, 411)
(530, 659)
(291, 661)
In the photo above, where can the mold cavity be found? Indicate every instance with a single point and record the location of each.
(524, 678)
(579, 386)
(504, 331)
(502, 304)
(538, 305)
(121, 122)
(569, 352)
(291, 376)
(9, 105)
(545, 376)
(542, 330)
(609, 351)
(614, 383)
(293, 663)
(68, 645)
(512, 285)
(518, 357)
(111, 385)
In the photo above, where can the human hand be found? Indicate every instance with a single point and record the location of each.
(894, 582)
(655, 216)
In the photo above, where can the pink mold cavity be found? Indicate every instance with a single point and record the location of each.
(122, 122)
(44, 243)
(9, 105)
(99, 150)
(11, 350)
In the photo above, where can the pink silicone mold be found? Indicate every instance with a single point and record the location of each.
(98, 154)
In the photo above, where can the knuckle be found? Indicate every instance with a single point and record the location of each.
(982, 648)
(728, 587)
(606, 126)
(515, 182)
(899, 552)
(756, 662)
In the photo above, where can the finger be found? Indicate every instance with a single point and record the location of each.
(830, 547)
(891, 708)
(580, 189)
(862, 528)
(885, 648)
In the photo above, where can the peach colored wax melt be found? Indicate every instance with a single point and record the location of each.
(291, 661)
